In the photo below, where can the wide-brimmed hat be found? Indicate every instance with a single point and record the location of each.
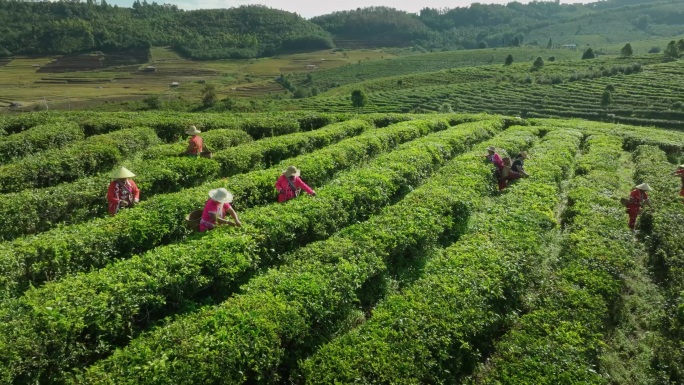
(192, 130)
(681, 166)
(491, 148)
(221, 195)
(292, 170)
(644, 186)
(524, 154)
(122, 173)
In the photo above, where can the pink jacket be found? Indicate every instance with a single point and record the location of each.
(496, 159)
(285, 192)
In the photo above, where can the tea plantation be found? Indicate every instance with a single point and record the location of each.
(407, 267)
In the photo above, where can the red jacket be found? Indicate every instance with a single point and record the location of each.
(118, 192)
(285, 192)
(637, 198)
(195, 145)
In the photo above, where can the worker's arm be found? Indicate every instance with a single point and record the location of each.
(300, 183)
(233, 214)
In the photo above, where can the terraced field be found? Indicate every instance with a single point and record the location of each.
(645, 90)
(407, 267)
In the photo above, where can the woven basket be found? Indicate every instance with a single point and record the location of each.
(192, 220)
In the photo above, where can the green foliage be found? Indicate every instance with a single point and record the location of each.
(626, 51)
(209, 96)
(482, 45)
(156, 220)
(89, 157)
(153, 102)
(672, 51)
(606, 98)
(73, 27)
(38, 138)
(663, 228)
(509, 60)
(356, 195)
(588, 54)
(359, 99)
(319, 280)
(434, 331)
(538, 63)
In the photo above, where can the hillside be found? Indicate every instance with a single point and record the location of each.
(542, 23)
(65, 27)
(642, 89)
(75, 27)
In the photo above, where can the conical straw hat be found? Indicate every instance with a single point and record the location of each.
(192, 130)
(292, 170)
(122, 173)
(221, 195)
(644, 186)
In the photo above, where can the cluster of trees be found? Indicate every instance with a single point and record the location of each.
(66, 27)
(483, 25)
(71, 26)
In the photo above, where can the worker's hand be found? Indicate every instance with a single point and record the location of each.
(313, 194)
(123, 204)
(238, 224)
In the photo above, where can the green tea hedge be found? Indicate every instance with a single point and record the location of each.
(159, 220)
(88, 157)
(37, 139)
(111, 304)
(438, 328)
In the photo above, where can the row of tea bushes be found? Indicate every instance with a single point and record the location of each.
(288, 310)
(84, 199)
(37, 139)
(558, 341)
(159, 220)
(91, 313)
(88, 157)
(214, 140)
(672, 142)
(13, 124)
(437, 329)
(665, 225)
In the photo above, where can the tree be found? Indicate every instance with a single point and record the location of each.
(153, 102)
(626, 51)
(538, 63)
(482, 44)
(509, 60)
(654, 50)
(680, 45)
(446, 108)
(550, 44)
(359, 99)
(516, 42)
(606, 98)
(208, 95)
(671, 51)
(588, 54)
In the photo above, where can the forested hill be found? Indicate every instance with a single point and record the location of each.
(480, 25)
(72, 27)
(67, 27)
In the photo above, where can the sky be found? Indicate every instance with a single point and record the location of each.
(310, 8)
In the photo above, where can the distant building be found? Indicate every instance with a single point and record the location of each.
(570, 46)
(150, 69)
(311, 66)
(175, 84)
